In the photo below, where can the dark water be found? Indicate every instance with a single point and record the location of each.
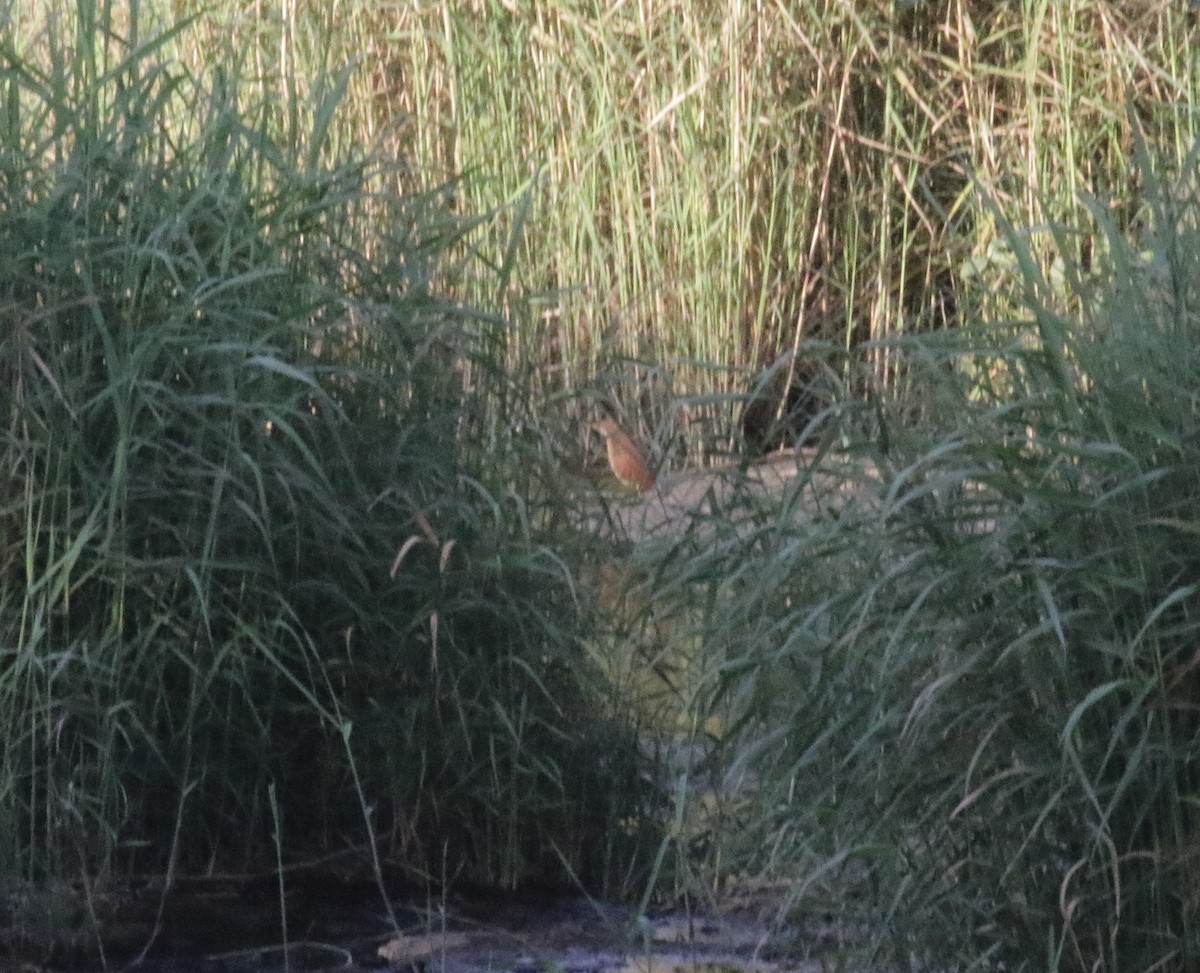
(215, 927)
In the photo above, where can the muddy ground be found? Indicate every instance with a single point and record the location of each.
(225, 926)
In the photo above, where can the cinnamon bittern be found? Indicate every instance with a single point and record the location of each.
(626, 459)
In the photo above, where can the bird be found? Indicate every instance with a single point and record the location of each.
(626, 459)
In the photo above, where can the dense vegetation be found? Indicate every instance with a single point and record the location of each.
(964, 699)
(295, 361)
(258, 573)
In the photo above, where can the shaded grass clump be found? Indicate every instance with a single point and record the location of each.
(962, 701)
(252, 552)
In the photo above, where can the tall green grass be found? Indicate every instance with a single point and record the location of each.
(252, 544)
(287, 437)
(960, 702)
(714, 185)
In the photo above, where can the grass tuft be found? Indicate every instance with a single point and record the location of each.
(254, 556)
(960, 702)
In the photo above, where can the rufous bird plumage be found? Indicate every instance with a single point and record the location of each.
(627, 460)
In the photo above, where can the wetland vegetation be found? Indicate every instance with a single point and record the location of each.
(307, 313)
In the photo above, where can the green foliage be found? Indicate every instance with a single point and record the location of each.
(249, 543)
(278, 498)
(964, 695)
(717, 184)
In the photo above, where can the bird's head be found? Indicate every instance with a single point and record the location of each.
(606, 427)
